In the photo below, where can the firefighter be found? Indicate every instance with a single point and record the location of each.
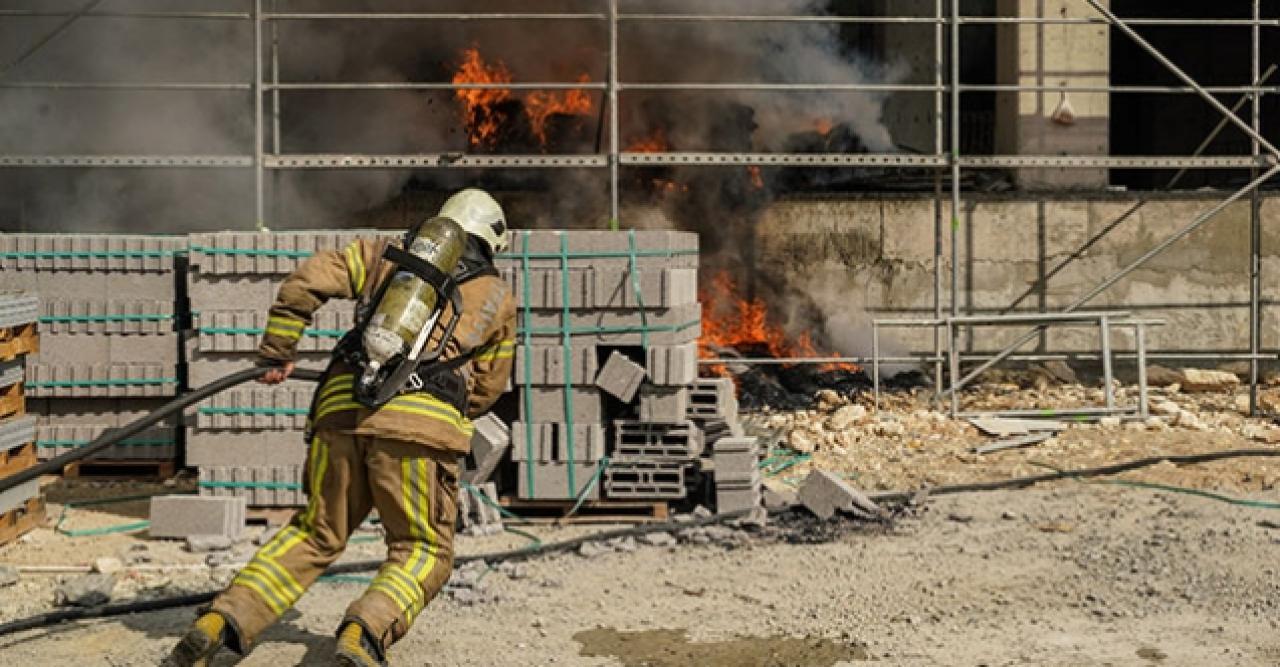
(401, 458)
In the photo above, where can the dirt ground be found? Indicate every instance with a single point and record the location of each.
(1065, 574)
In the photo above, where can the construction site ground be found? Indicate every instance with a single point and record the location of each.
(1067, 573)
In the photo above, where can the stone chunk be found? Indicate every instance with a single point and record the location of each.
(621, 377)
(658, 539)
(1195, 380)
(824, 494)
(90, 590)
(9, 575)
(198, 544)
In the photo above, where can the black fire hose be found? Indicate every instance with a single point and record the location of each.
(54, 465)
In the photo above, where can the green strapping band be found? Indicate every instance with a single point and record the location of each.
(635, 286)
(106, 530)
(251, 251)
(208, 410)
(614, 330)
(528, 371)
(103, 383)
(565, 333)
(591, 484)
(52, 319)
(287, 486)
(254, 331)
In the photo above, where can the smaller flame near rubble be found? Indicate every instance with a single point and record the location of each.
(730, 322)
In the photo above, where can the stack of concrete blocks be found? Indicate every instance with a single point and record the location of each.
(21, 507)
(606, 354)
(734, 459)
(110, 349)
(249, 442)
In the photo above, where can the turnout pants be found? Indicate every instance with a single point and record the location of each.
(413, 487)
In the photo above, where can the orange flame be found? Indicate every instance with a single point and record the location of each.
(757, 181)
(540, 105)
(656, 142)
(478, 104)
(730, 321)
(824, 126)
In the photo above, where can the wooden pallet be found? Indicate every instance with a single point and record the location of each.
(19, 340)
(18, 521)
(17, 459)
(133, 470)
(591, 511)
(13, 401)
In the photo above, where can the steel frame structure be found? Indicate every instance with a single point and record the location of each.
(947, 89)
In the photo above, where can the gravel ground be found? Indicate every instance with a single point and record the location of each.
(1065, 574)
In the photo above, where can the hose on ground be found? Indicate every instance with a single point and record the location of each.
(51, 618)
(55, 465)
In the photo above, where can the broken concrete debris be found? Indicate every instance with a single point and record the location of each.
(824, 494)
(199, 544)
(89, 590)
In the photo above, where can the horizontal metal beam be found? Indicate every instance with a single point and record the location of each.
(429, 16)
(784, 159)
(1113, 162)
(38, 13)
(700, 86)
(430, 161)
(437, 85)
(122, 85)
(125, 161)
(972, 20)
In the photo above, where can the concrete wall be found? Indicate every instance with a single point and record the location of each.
(874, 257)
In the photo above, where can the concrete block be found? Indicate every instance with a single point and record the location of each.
(107, 316)
(89, 252)
(241, 330)
(598, 248)
(824, 494)
(477, 511)
(546, 364)
(546, 287)
(12, 372)
(279, 486)
(669, 326)
(154, 444)
(100, 380)
(741, 479)
(16, 432)
(183, 516)
(550, 442)
(220, 292)
(731, 500)
(735, 444)
(245, 448)
(18, 307)
(271, 253)
(110, 412)
(205, 367)
(489, 445)
(549, 404)
(732, 466)
(150, 286)
(19, 495)
(621, 377)
(550, 481)
(713, 398)
(644, 480)
(663, 405)
(672, 365)
(281, 407)
(639, 440)
(658, 289)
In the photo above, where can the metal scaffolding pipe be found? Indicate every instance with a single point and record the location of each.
(435, 85)
(123, 85)
(430, 16)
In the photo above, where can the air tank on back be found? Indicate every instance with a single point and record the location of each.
(408, 302)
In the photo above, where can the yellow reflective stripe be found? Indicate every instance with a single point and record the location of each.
(289, 586)
(355, 267)
(258, 583)
(319, 465)
(337, 405)
(428, 404)
(384, 586)
(502, 350)
(285, 327)
(408, 588)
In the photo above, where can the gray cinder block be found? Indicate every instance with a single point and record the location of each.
(824, 494)
(663, 405)
(205, 367)
(729, 500)
(476, 509)
(658, 288)
(645, 441)
(672, 365)
(643, 480)
(550, 481)
(549, 404)
(101, 380)
(668, 326)
(281, 407)
(269, 253)
(181, 516)
(550, 442)
(153, 444)
(545, 287)
(489, 444)
(598, 248)
(546, 364)
(241, 330)
(713, 398)
(245, 448)
(620, 377)
(277, 486)
(107, 316)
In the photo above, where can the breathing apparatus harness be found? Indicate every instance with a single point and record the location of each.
(417, 369)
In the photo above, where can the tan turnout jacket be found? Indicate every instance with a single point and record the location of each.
(487, 328)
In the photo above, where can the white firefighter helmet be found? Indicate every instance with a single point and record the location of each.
(480, 215)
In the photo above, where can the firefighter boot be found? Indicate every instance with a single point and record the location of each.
(206, 636)
(356, 648)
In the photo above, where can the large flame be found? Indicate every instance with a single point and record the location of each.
(731, 321)
(541, 105)
(478, 104)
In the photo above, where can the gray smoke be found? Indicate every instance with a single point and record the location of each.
(221, 123)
